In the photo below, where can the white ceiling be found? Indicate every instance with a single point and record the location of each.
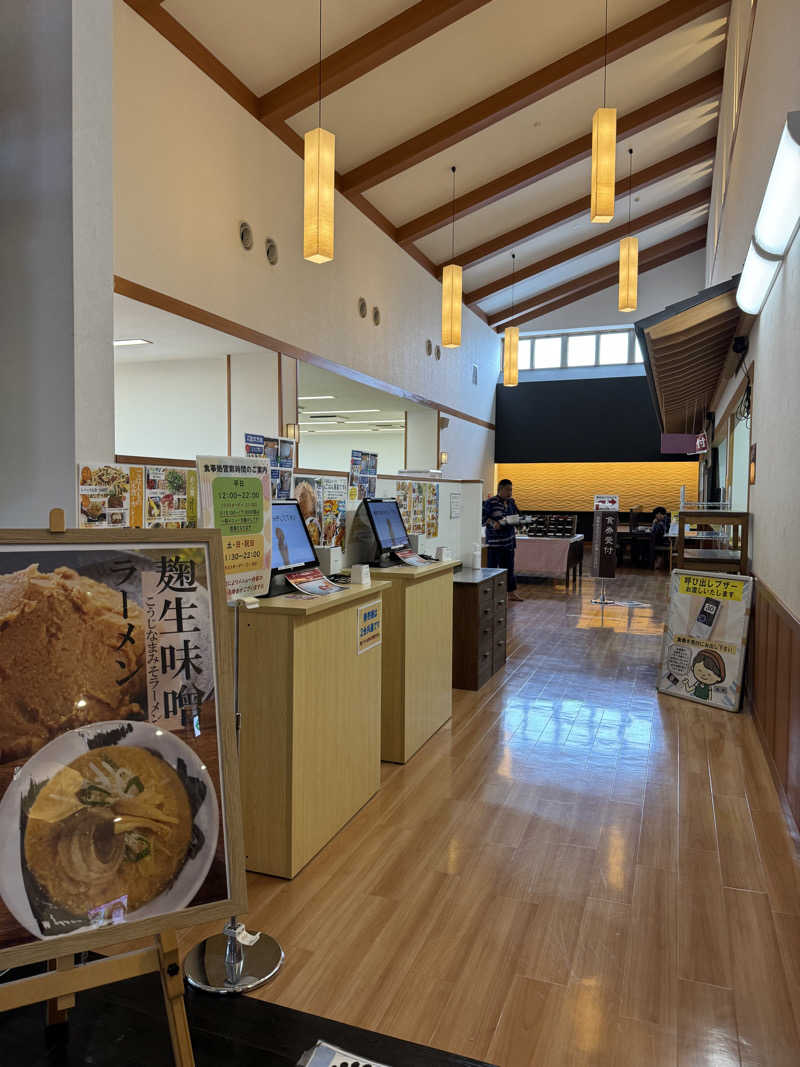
(266, 42)
(176, 338)
(172, 337)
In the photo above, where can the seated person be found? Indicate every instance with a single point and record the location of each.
(660, 526)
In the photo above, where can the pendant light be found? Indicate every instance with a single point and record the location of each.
(511, 341)
(629, 258)
(451, 290)
(604, 152)
(318, 183)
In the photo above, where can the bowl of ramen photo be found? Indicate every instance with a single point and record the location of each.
(111, 822)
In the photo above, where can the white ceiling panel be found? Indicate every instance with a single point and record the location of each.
(388, 105)
(659, 143)
(266, 42)
(591, 262)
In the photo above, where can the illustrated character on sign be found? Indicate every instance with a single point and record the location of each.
(708, 670)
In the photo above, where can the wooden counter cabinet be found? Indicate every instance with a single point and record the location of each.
(311, 724)
(417, 685)
(479, 625)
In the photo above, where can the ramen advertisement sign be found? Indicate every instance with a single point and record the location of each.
(110, 761)
(706, 637)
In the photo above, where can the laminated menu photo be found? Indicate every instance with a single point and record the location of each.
(111, 762)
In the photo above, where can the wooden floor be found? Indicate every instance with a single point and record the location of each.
(575, 871)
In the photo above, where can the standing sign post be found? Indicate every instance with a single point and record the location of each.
(604, 542)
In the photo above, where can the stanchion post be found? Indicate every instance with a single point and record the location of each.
(235, 961)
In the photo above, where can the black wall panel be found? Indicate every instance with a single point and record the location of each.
(590, 420)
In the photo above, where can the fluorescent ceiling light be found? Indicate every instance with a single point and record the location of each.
(382, 429)
(351, 422)
(131, 341)
(327, 396)
(780, 209)
(346, 411)
(755, 282)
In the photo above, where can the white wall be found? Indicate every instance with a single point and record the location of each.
(657, 288)
(175, 409)
(331, 452)
(190, 163)
(772, 88)
(470, 451)
(56, 384)
(254, 397)
(421, 430)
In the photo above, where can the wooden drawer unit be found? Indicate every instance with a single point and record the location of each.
(479, 626)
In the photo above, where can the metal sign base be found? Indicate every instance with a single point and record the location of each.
(222, 963)
(602, 599)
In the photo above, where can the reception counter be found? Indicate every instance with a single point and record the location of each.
(416, 691)
(310, 701)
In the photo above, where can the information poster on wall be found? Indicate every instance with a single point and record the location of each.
(133, 496)
(431, 509)
(236, 499)
(279, 453)
(112, 804)
(363, 480)
(705, 638)
(419, 506)
(323, 505)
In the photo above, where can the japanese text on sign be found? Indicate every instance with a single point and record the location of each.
(702, 585)
(368, 626)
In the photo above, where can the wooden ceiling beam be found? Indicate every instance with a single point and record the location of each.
(692, 358)
(608, 236)
(675, 103)
(369, 51)
(666, 168)
(542, 83)
(598, 280)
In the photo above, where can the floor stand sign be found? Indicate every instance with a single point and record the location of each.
(604, 542)
(235, 961)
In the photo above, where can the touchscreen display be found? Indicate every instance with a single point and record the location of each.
(291, 545)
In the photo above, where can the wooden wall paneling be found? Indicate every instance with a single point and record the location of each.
(770, 666)
(793, 742)
(783, 679)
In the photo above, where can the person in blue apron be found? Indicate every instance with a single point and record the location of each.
(500, 516)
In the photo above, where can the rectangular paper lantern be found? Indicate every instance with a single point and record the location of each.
(628, 273)
(604, 159)
(511, 355)
(451, 306)
(318, 191)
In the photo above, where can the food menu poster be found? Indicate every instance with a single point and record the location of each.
(323, 505)
(419, 506)
(278, 450)
(132, 496)
(236, 499)
(363, 479)
(110, 798)
(705, 639)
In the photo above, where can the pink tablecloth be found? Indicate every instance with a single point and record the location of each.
(545, 557)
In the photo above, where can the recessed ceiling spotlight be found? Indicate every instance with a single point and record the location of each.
(125, 342)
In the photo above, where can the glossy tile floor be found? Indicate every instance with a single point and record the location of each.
(575, 871)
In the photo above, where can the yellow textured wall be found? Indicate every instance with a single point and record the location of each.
(572, 486)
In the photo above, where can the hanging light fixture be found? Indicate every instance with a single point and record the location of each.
(604, 152)
(629, 258)
(511, 341)
(318, 183)
(451, 290)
